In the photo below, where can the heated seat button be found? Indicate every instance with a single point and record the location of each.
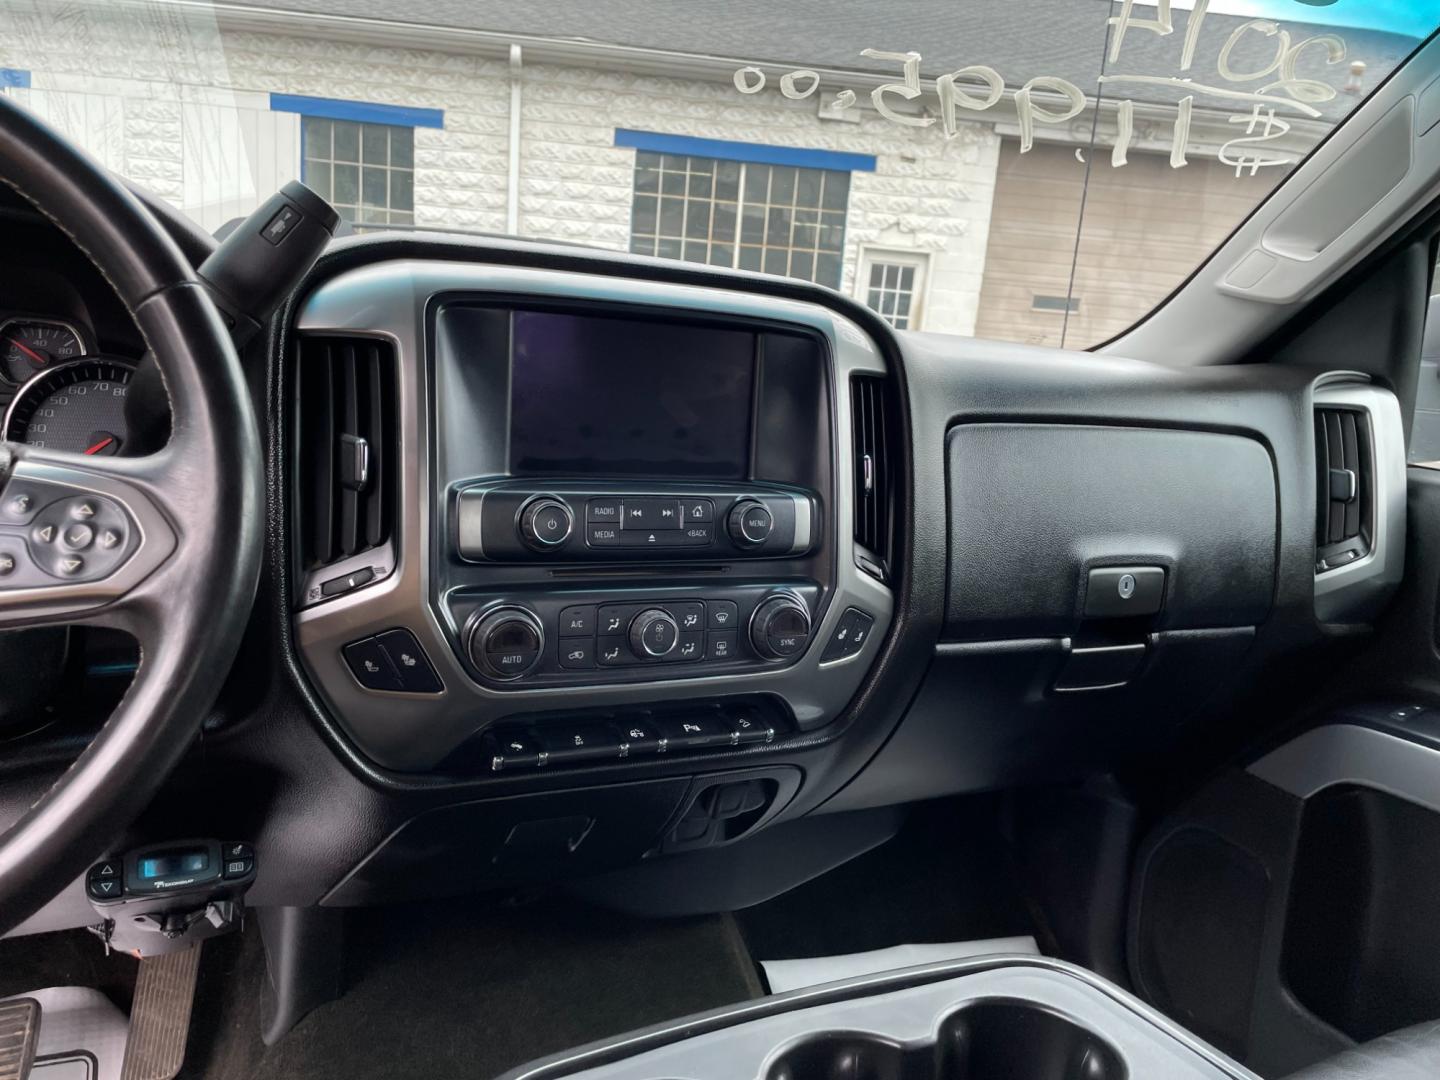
(371, 665)
(411, 663)
(570, 745)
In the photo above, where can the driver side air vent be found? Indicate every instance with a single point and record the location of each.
(874, 474)
(1345, 485)
(348, 444)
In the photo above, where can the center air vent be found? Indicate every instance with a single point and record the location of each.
(874, 476)
(1345, 484)
(348, 446)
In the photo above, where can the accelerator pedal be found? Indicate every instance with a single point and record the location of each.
(19, 1035)
(160, 1015)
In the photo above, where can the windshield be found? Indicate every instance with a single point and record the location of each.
(1042, 171)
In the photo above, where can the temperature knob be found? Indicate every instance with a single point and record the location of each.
(780, 627)
(545, 524)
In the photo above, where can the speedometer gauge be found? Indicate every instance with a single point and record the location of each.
(30, 346)
(79, 407)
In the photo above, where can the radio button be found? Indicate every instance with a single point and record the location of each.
(652, 514)
(603, 511)
(578, 621)
(698, 511)
(724, 615)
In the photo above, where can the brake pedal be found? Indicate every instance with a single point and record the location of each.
(160, 1015)
(19, 1035)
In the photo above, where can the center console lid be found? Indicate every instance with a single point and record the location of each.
(1023, 1018)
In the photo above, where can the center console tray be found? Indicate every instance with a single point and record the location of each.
(1016, 1018)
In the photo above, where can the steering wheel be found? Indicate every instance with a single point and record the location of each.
(173, 555)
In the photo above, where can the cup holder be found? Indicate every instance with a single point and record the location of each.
(997, 1039)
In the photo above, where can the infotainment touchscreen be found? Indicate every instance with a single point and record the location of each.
(592, 395)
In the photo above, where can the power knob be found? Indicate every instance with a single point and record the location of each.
(546, 523)
(780, 627)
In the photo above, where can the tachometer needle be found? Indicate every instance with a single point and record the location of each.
(101, 445)
(28, 351)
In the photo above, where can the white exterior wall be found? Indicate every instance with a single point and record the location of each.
(165, 98)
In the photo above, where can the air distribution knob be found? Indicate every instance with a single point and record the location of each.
(780, 627)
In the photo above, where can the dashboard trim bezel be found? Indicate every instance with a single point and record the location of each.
(392, 300)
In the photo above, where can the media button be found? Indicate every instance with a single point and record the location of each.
(651, 514)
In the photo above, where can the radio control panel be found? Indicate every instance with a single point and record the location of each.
(511, 522)
(561, 638)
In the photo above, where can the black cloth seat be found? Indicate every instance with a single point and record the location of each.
(1412, 1053)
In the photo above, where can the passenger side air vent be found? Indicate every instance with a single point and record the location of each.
(1345, 486)
(348, 454)
(874, 475)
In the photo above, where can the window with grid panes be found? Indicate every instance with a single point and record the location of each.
(780, 219)
(366, 171)
(891, 292)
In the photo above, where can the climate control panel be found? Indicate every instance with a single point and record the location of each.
(561, 638)
(511, 522)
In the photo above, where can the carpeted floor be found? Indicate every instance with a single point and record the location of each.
(467, 989)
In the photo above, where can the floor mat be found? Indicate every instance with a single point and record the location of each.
(461, 989)
(945, 877)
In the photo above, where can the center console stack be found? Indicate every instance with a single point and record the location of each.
(608, 495)
(1020, 1018)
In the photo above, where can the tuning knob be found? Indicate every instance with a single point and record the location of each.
(653, 633)
(780, 627)
(546, 523)
(750, 523)
(506, 643)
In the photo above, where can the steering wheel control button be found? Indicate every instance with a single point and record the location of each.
(750, 523)
(780, 628)
(545, 524)
(417, 676)
(654, 634)
(578, 621)
(1123, 592)
(849, 637)
(77, 537)
(371, 665)
(506, 643)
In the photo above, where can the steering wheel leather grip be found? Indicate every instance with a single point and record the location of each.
(183, 574)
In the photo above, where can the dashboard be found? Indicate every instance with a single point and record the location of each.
(621, 519)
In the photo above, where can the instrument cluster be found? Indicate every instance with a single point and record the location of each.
(63, 394)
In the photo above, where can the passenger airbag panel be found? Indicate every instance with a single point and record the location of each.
(1034, 507)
